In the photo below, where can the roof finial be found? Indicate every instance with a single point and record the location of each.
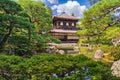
(63, 12)
(73, 14)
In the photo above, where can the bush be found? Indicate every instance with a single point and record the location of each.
(53, 67)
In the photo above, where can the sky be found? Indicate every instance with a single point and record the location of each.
(76, 7)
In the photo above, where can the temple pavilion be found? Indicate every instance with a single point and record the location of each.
(64, 28)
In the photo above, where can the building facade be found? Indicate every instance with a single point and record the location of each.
(64, 28)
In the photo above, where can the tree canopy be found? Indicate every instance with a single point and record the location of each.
(14, 22)
(41, 16)
(53, 67)
(100, 22)
(92, 2)
(24, 26)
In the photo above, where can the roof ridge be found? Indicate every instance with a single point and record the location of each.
(66, 16)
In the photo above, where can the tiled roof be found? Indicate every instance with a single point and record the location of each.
(65, 16)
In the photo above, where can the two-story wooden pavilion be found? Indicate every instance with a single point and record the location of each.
(64, 28)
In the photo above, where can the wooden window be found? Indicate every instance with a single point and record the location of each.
(73, 24)
(67, 24)
(61, 23)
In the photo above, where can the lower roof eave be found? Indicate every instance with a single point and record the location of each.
(63, 31)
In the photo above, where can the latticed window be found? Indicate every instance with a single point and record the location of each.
(67, 24)
(73, 24)
(61, 23)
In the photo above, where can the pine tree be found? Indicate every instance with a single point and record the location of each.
(92, 2)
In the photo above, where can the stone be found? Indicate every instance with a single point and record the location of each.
(60, 52)
(116, 41)
(116, 68)
(76, 48)
(98, 54)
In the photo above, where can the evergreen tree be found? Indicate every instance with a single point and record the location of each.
(99, 24)
(41, 16)
(13, 21)
(92, 2)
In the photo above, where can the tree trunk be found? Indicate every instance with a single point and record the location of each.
(29, 34)
(5, 37)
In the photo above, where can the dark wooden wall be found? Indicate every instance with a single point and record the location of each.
(62, 24)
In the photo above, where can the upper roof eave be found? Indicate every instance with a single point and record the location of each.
(65, 17)
(55, 17)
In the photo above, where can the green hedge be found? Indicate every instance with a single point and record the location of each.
(53, 67)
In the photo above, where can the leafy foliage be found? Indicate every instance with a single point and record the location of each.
(41, 16)
(53, 67)
(99, 23)
(22, 32)
(93, 1)
(15, 26)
